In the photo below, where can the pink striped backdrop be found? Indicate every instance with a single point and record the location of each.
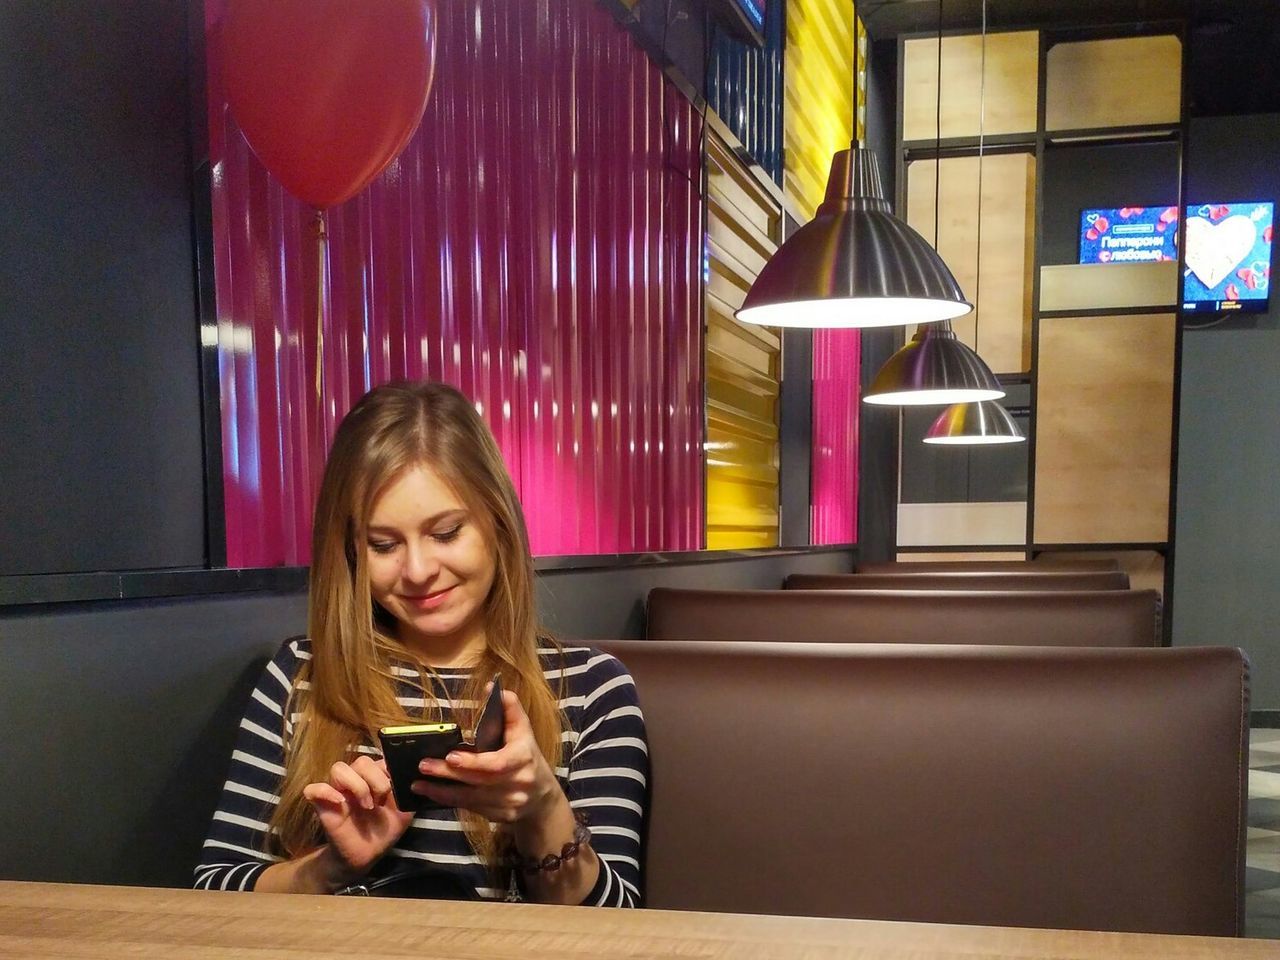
(537, 244)
(834, 480)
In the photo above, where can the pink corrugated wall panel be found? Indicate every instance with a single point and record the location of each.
(834, 477)
(536, 245)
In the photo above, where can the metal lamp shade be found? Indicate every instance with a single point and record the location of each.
(972, 424)
(854, 264)
(934, 368)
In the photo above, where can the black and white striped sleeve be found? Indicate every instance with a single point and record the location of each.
(234, 853)
(608, 773)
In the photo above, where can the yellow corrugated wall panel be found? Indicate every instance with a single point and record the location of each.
(736, 540)
(743, 363)
(817, 115)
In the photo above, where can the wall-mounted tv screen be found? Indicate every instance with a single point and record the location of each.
(1228, 260)
(1128, 234)
(743, 19)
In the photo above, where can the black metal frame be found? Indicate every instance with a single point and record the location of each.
(43, 590)
(965, 548)
(1170, 557)
(1042, 142)
(201, 191)
(1066, 140)
(1159, 546)
(949, 148)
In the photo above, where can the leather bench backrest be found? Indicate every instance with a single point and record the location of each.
(1067, 788)
(1089, 580)
(1103, 618)
(984, 566)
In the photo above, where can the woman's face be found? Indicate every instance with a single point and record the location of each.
(430, 566)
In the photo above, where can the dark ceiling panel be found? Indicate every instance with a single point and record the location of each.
(1235, 44)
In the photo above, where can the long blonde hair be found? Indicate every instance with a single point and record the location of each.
(353, 647)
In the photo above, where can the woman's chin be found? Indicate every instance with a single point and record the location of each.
(438, 630)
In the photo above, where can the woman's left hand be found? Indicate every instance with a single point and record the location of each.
(508, 785)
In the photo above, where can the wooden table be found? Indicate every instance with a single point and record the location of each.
(140, 923)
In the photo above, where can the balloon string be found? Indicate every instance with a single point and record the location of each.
(322, 243)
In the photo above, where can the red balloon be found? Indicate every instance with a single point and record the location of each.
(328, 92)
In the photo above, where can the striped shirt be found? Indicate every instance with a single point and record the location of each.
(605, 778)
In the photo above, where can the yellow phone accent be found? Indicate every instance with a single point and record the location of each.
(419, 728)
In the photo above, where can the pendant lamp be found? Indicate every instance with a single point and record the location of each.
(854, 264)
(974, 424)
(935, 367)
(985, 422)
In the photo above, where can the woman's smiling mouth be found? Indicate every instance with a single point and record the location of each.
(429, 601)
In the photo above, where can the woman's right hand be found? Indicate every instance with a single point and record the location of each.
(359, 815)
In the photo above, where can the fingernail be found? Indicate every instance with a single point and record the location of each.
(453, 758)
(425, 766)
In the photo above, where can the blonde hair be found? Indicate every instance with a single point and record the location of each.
(353, 647)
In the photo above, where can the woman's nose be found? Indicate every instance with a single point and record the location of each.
(421, 564)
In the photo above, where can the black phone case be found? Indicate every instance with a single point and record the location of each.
(488, 732)
(404, 751)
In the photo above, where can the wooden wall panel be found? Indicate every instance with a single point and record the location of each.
(743, 362)
(962, 524)
(1109, 286)
(1113, 83)
(949, 555)
(1002, 320)
(1104, 403)
(1144, 567)
(1011, 85)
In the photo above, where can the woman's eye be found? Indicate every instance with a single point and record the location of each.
(447, 536)
(382, 546)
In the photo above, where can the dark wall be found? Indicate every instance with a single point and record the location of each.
(1112, 175)
(941, 473)
(878, 426)
(118, 718)
(97, 290)
(795, 438)
(882, 109)
(1228, 521)
(672, 32)
(118, 723)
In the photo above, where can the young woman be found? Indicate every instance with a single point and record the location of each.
(422, 589)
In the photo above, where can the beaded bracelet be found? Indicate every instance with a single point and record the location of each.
(552, 862)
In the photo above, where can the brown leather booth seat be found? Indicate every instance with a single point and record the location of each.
(1105, 618)
(1095, 580)
(1067, 788)
(984, 566)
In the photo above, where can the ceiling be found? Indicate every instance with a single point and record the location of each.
(1234, 44)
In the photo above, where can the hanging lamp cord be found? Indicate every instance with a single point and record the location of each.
(937, 138)
(982, 117)
(857, 140)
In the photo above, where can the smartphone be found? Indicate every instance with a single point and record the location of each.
(407, 746)
(404, 747)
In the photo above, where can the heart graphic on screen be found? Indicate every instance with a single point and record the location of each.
(1215, 249)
